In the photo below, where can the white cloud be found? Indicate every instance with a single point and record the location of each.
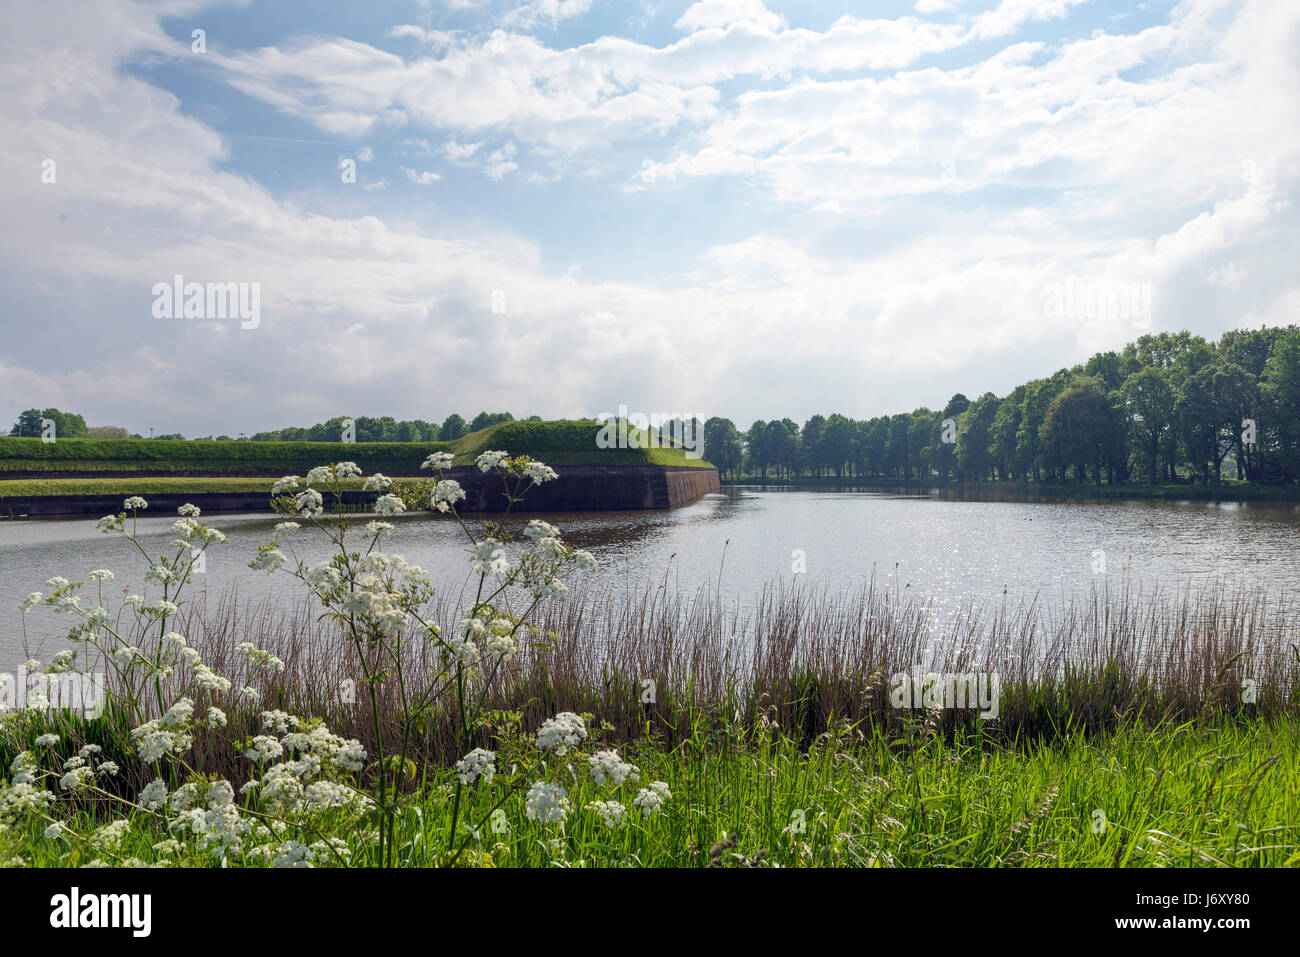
(459, 152)
(501, 163)
(720, 14)
(421, 177)
(547, 13)
(1124, 157)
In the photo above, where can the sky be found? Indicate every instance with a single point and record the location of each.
(560, 207)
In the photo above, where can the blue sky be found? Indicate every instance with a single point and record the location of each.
(727, 207)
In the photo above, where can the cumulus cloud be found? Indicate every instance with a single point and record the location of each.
(896, 222)
(720, 14)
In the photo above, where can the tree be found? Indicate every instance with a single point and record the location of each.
(1281, 393)
(1039, 394)
(1149, 401)
(1207, 414)
(453, 427)
(836, 444)
(67, 425)
(784, 436)
(898, 457)
(922, 440)
(485, 419)
(975, 438)
(810, 444)
(757, 449)
(1078, 428)
(1005, 430)
(722, 444)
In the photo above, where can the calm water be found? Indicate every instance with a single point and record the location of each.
(952, 552)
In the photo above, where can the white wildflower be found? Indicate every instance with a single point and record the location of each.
(651, 800)
(566, 730)
(546, 802)
(608, 768)
(478, 763)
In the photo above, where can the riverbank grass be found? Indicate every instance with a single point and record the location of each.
(1180, 796)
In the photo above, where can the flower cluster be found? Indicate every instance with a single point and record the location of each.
(566, 730)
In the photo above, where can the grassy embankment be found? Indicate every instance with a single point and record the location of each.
(140, 466)
(1183, 796)
(1123, 736)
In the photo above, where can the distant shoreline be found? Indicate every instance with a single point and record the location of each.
(1041, 491)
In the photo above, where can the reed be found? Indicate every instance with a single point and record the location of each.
(666, 665)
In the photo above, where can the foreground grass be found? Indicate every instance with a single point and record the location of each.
(1189, 795)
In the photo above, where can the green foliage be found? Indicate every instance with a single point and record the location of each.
(164, 457)
(1169, 407)
(66, 424)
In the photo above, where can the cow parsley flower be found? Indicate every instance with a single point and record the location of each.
(345, 470)
(309, 502)
(552, 588)
(490, 460)
(278, 721)
(611, 812)
(110, 836)
(190, 511)
(651, 800)
(438, 461)
(446, 494)
(377, 483)
(293, 854)
(264, 748)
(566, 730)
(134, 503)
(389, 505)
(154, 795)
(489, 558)
(608, 768)
(287, 484)
(320, 474)
(546, 802)
(536, 530)
(539, 473)
(478, 763)
(268, 560)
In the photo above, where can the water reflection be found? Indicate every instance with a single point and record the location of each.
(956, 552)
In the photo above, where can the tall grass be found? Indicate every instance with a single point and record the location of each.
(655, 663)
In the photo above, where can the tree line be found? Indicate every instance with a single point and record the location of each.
(1169, 407)
(68, 425)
